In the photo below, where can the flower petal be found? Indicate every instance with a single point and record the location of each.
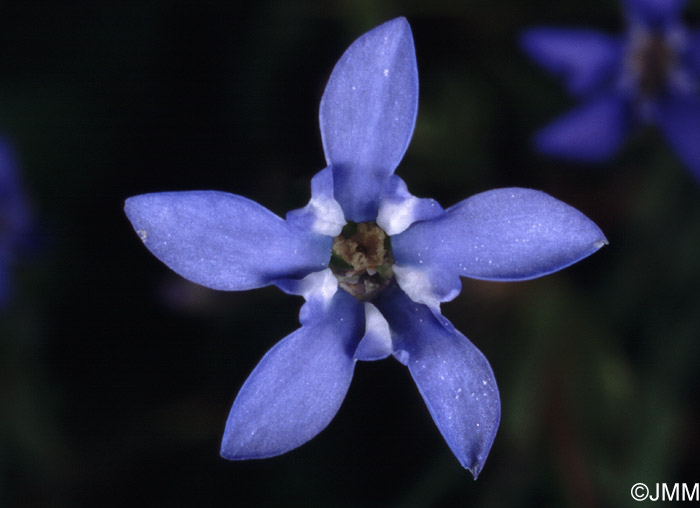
(298, 386)
(323, 214)
(398, 208)
(453, 376)
(15, 217)
(317, 288)
(502, 234)
(367, 115)
(584, 59)
(376, 343)
(654, 13)
(694, 52)
(428, 285)
(591, 133)
(679, 120)
(224, 241)
(4, 282)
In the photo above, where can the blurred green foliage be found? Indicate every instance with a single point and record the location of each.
(116, 376)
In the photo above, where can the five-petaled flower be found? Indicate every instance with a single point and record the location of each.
(372, 261)
(14, 216)
(651, 74)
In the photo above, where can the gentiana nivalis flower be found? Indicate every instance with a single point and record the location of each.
(14, 216)
(650, 74)
(372, 261)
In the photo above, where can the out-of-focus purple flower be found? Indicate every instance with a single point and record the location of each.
(14, 216)
(372, 261)
(650, 74)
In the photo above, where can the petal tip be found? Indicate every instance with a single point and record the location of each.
(399, 23)
(131, 210)
(527, 38)
(231, 451)
(474, 470)
(134, 207)
(129, 204)
(227, 454)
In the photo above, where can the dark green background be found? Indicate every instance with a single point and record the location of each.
(116, 376)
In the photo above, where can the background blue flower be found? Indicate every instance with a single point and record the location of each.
(117, 374)
(651, 74)
(14, 218)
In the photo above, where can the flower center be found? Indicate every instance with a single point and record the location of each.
(361, 259)
(652, 59)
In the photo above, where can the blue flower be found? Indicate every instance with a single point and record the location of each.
(651, 74)
(372, 261)
(14, 217)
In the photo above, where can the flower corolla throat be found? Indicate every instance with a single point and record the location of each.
(651, 59)
(361, 260)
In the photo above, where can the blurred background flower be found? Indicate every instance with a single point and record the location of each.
(651, 74)
(121, 372)
(14, 217)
